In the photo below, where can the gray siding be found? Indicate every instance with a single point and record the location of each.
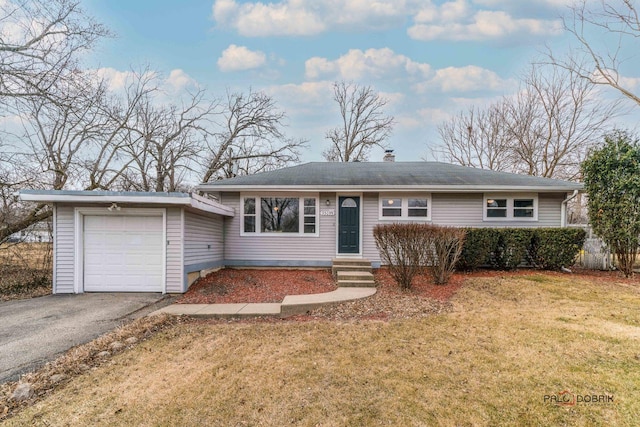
(203, 239)
(64, 250)
(370, 219)
(466, 210)
(459, 210)
(277, 250)
(453, 209)
(175, 239)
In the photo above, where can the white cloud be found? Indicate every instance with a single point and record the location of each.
(238, 58)
(179, 80)
(224, 10)
(433, 115)
(465, 79)
(304, 94)
(451, 20)
(115, 79)
(373, 63)
(532, 3)
(310, 17)
(456, 21)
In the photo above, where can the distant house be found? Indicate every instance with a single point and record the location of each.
(300, 216)
(40, 232)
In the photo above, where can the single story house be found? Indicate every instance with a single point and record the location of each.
(299, 216)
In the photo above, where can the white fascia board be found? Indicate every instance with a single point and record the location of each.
(393, 188)
(195, 201)
(208, 205)
(65, 198)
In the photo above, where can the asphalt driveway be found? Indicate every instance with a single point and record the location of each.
(35, 331)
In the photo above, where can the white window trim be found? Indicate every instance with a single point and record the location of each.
(510, 197)
(258, 216)
(405, 206)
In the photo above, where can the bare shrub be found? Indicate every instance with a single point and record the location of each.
(447, 247)
(410, 248)
(402, 248)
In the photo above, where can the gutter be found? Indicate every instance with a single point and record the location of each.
(563, 209)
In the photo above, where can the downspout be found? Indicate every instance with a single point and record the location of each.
(563, 209)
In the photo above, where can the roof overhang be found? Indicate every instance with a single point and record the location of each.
(192, 201)
(394, 188)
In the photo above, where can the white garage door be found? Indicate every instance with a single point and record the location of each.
(123, 253)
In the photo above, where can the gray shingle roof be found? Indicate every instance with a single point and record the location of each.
(387, 175)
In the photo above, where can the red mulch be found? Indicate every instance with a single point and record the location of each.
(422, 286)
(229, 286)
(272, 285)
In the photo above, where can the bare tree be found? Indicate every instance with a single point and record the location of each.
(546, 129)
(40, 41)
(165, 141)
(249, 138)
(477, 139)
(364, 123)
(617, 22)
(39, 44)
(553, 121)
(78, 143)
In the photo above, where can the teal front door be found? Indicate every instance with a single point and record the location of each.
(348, 225)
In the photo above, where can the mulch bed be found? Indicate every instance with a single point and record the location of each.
(390, 302)
(229, 286)
(257, 286)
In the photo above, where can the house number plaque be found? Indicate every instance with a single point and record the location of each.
(327, 212)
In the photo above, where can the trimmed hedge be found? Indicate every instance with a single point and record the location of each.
(511, 247)
(506, 248)
(553, 248)
(478, 244)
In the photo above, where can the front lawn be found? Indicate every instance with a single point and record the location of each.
(504, 350)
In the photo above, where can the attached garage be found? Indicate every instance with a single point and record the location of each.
(132, 242)
(123, 253)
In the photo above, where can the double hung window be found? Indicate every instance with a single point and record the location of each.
(415, 207)
(284, 215)
(518, 207)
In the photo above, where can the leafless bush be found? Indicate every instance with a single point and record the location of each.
(402, 248)
(410, 248)
(447, 247)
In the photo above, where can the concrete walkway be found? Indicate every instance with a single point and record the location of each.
(292, 304)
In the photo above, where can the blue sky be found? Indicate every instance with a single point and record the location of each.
(430, 59)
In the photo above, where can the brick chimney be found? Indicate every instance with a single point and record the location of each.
(389, 156)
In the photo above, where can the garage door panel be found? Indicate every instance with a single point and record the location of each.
(123, 253)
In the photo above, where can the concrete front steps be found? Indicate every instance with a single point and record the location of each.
(353, 273)
(355, 281)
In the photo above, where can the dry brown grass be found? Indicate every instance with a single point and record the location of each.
(507, 343)
(25, 270)
(79, 360)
